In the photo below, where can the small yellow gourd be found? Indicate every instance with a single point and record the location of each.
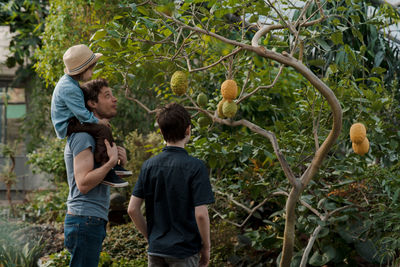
(361, 149)
(229, 89)
(358, 133)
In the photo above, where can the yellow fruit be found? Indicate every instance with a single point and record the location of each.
(219, 108)
(179, 83)
(361, 149)
(229, 89)
(229, 108)
(358, 133)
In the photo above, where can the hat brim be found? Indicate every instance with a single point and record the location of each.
(94, 60)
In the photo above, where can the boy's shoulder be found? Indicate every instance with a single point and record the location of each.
(67, 83)
(183, 159)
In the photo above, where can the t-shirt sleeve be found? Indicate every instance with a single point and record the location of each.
(201, 187)
(79, 142)
(138, 189)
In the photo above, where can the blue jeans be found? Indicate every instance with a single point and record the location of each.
(84, 236)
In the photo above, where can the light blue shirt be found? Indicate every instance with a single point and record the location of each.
(67, 102)
(97, 201)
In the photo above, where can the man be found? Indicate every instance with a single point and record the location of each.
(68, 109)
(88, 199)
(176, 190)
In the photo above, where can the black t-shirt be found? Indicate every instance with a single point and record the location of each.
(172, 185)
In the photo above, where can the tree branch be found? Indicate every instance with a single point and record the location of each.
(250, 211)
(234, 52)
(149, 111)
(263, 87)
(314, 235)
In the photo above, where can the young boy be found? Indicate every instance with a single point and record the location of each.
(69, 113)
(176, 190)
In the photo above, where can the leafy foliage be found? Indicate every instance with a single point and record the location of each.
(49, 159)
(62, 258)
(26, 23)
(45, 206)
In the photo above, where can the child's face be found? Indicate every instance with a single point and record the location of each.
(87, 75)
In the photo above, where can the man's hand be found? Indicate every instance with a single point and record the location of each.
(204, 256)
(121, 155)
(105, 122)
(112, 152)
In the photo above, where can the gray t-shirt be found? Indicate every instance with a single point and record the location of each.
(97, 201)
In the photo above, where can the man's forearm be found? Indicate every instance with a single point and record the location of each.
(85, 176)
(97, 175)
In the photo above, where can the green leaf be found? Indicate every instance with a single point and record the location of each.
(375, 79)
(378, 70)
(317, 259)
(357, 33)
(337, 38)
(379, 58)
(98, 35)
(366, 250)
(143, 10)
(323, 44)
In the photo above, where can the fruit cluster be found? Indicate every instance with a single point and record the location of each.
(227, 107)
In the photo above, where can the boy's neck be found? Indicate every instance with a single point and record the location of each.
(181, 143)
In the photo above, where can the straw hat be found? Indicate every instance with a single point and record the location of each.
(78, 58)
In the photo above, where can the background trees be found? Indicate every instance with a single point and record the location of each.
(350, 50)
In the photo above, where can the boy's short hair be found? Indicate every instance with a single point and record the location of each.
(79, 77)
(91, 89)
(173, 120)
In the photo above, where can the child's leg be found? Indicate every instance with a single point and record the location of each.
(99, 133)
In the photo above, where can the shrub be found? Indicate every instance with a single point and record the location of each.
(125, 242)
(45, 206)
(49, 158)
(140, 148)
(62, 259)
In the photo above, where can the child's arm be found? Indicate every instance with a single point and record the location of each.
(136, 215)
(203, 224)
(75, 102)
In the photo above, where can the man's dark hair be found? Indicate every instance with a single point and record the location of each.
(78, 77)
(92, 89)
(173, 120)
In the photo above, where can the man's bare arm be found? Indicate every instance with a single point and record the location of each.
(86, 177)
(136, 215)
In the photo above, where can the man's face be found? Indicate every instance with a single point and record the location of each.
(106, 106)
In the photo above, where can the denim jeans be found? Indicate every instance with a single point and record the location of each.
(84, 236)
